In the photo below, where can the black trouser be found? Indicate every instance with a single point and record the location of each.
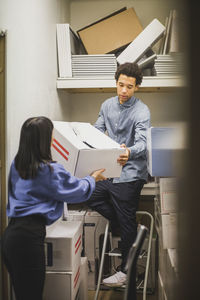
(24, 257)
(118, 202)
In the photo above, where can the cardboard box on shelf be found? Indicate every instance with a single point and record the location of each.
(166, 225)
(82, 149)
(162, 144)
(169, 232)
(63, 245)
(167, 202)
(111, 33)
(142, 43)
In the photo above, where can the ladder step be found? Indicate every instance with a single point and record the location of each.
(115, 252)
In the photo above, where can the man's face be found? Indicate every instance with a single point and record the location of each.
(126, 86)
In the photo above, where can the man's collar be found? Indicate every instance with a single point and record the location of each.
(127, 103)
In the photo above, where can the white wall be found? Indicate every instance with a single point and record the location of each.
(85, 12)
(166, 108)
(31, 63)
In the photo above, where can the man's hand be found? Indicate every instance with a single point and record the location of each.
(123, 158)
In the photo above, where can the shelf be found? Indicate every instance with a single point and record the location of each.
(149, 84)
(149, 189)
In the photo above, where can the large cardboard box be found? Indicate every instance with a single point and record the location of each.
(82, 149)
(162, 144)
(62, 285)
(111, 33)
(166, 226)
(169, 230)
(63, 245)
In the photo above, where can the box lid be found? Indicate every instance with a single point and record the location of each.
(84, 135)
(63, 229)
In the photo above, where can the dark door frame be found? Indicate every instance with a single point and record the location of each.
(3, 220)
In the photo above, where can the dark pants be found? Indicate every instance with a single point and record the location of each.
(24, 257)
(118, 202)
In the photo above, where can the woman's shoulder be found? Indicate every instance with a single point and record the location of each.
(52, 167)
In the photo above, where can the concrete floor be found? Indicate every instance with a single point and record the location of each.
(117, 295)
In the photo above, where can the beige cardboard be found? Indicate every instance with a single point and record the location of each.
(111, 33)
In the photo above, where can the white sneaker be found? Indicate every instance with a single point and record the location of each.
(118, 279)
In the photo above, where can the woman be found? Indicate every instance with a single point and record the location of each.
(37, 190)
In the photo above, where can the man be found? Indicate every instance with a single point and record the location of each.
(126, 119)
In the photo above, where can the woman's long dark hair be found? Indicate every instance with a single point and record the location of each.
(34, 146)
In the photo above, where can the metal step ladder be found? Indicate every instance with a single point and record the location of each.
(115, 253)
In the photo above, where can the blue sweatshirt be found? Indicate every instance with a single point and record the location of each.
(47, 192)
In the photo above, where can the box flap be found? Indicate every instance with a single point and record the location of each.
(93, 137)
(67, 132)
(63, 229)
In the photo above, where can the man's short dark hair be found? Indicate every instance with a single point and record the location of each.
(130, 70)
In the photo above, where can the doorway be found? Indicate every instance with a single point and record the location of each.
(3, 273)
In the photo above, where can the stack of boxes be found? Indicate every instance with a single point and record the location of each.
(163, 145)
(94, 227)
(63, 260)
(166, 224)
(166, 212)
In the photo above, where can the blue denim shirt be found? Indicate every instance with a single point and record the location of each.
(46, 193)
(127, 124)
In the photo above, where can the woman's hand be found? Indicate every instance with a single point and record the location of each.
(98, 176)
(123, 158)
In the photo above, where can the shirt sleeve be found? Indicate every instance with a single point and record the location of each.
(70, 189)
(100, 123)
(140, 140)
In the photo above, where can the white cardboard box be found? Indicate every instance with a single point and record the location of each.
(166, 195)
(94, 227)
(146, 39)
(162, 144)
(62, 285)
(84, 279)
(82, 149)
(169, 232)
(166, 225)
(168, 202)
(64, 245)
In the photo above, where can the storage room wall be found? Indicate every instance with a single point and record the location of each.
(167, 107)
(31, 63)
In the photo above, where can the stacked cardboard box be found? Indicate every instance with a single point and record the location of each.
(94, 227)
(166, 225)
(162, 146)
(111, 33)
(166, 212)
(63, 255)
